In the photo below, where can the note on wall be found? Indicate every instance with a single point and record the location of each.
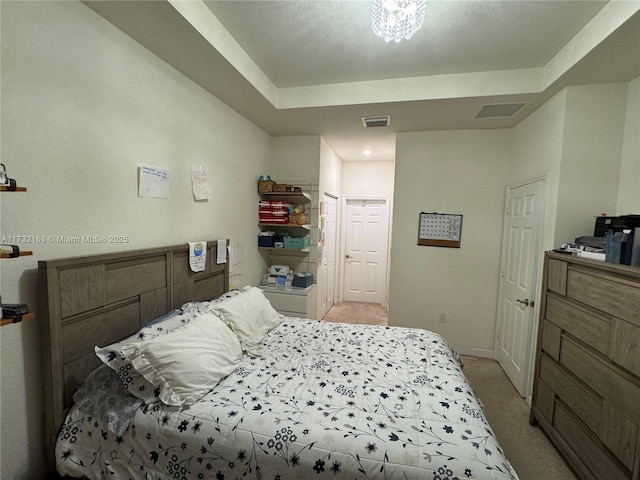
(153, 182)
(199, 184)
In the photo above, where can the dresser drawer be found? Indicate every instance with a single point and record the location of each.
(583, 402)
(610, 425)
(557, 276)
(625, 349)
(602, 377)
(293, 303)
(586, 447)
(591, 328)
(613, 296)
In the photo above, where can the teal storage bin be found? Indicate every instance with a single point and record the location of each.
(297, 242)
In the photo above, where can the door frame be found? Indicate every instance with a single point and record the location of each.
(343, 243)
(537, 275)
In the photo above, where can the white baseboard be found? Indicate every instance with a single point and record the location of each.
(475, 352)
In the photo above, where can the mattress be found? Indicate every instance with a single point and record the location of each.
(324, 400)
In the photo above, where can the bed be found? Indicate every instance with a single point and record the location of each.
(234, 390)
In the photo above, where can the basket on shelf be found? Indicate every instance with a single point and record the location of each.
(281, 187)
(265, 186)
(301, 218)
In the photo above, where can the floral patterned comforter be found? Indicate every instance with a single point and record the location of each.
(327, 400)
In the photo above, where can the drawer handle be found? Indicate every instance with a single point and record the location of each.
(525, 302)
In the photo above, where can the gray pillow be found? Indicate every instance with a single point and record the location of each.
(103, 396)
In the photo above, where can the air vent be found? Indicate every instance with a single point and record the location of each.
(383, 121)
(494, 110)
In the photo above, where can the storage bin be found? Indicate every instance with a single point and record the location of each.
(299, 218)
(297, 242)
(265, 186)
(302, 280)
(266, 240)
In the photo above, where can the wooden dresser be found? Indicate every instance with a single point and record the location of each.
(586, 392)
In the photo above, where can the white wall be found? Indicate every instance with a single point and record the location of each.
(537, 152)
(629, 186)
(330, 170)
(460, 172)
(82, 106)
(586, 147)
(591, 153)
(368, 179)
(295, 159)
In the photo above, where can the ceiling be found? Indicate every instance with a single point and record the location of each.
(310, 67)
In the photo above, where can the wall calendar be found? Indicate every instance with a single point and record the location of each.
(440, 229)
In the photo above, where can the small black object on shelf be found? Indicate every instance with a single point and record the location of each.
(14, 311)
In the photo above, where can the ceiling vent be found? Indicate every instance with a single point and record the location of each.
(494, 110)
(383, 121)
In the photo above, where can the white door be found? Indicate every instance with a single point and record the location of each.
(520, 254)
(365, 260)
(327, 241)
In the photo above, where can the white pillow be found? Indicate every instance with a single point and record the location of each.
(251, 316)
(189, 361)
(112, 356)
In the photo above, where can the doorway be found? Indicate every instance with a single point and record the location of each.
(365, 250)
(521, 243)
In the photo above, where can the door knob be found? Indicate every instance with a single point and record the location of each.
(347, 256)
(525, 302)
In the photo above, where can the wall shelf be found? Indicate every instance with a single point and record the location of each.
(9, 321)
(286, 225)
(303, 196)
(284, 249)
(5, 188)
(23, 253)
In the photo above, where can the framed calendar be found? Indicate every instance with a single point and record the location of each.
(440, 229)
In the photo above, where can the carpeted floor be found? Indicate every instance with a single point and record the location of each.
(358, 312)
(527, 448)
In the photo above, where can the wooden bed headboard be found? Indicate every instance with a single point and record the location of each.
(99, 299)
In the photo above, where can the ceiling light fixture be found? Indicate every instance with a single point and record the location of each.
(367, 152)
(396, 19)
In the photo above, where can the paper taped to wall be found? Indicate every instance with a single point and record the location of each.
(199, 185)
(222, 251)
(197, 256)
(153, 182)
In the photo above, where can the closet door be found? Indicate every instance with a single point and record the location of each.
(330, 214)
(521, 246)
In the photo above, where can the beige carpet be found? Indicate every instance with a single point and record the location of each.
(360, 313)
(527, 448)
